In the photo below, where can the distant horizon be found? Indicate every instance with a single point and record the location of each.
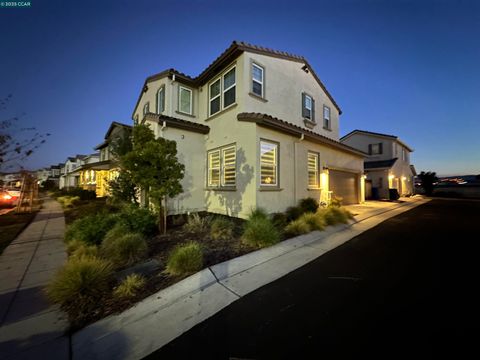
(407, 68)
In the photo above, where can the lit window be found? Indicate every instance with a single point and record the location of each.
(222, 167)
(257, 80)
(229, 86)
(313, 170)
(185, 100)
(229, 166)
(161, 100)
(326, 117)
(215, 94)
(308, 106)
(268, 163)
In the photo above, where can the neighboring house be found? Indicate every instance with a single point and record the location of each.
(43, 175)
(95, 175)
(69, 177)
(388, 163)
(55, 171)
(257, 128)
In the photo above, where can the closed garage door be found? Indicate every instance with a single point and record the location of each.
(344, 185)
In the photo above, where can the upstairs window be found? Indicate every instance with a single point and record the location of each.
(375, 149)
(229, 85)
(326, 117)
(222, 167)
(222, 92)
(185, 100)
(308, 106)
(146, 108)
(313, 174)
(404, 155)
(161, 100)
(257, 80)
(268, 163)
(215, 95)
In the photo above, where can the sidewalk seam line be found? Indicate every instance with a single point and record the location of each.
(219, 282)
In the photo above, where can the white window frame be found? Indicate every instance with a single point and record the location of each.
(276, 160)
(221, 167)
(316, 170)
(180, 88)
(327, 124)
(308, 108)
(378, 149)
(230, 87)
(257, 81)
(217, 96)
(221, 77)
(161, 89)
(210, 168)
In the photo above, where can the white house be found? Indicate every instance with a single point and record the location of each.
(69, 178)
(257, 128)
(387, 165)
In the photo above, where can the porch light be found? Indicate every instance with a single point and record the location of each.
(404, 178)
(391, 177)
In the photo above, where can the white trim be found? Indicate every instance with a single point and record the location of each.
(234, 85)
(180, 88)
(257, 81)
(210, 99)
(275, 164)
(316, 170)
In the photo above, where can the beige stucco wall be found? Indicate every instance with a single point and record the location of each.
(361, 142)
(293, 170)
(284, 83)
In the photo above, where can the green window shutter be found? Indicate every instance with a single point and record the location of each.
(369, 149)
(380, 148)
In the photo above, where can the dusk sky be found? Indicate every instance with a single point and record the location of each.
(408, 68)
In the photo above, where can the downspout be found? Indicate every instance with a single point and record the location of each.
(302, 136)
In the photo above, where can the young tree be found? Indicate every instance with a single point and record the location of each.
(153, 165)
(16, 143)
(427, 180)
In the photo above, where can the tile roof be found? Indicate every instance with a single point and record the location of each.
(284, 126)
(379, 164)
(394, 137)
(227, 56)
(179, 123)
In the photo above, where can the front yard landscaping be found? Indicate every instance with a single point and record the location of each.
(117, 257)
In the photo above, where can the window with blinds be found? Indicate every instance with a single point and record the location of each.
(229, 162)
(222, 167)
(268, 163)
(313, 175)
(214, 168)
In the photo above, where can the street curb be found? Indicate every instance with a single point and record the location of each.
(176, 309)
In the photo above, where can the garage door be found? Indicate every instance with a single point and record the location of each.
(344, 185)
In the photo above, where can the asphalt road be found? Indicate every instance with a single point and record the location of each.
(404, 289)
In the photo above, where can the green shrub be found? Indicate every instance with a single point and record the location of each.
(294, 212)
(297, 227)
(185, 259)
(129, 287)
(73, 245)
(196, 224)
(336, 201)
(91, 229)
(308, 205)
(260, 232)
(314, 220)
(221, 229)
(80, 284)
(258, 213)
(85, 251)
(334, 215)
(279, 220)
(124, 250)
(118, 230)
(68, 201)
(139, 220)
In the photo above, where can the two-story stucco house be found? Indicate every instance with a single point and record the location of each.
(388, 163)
(257, 128)
(69, 178)
(101, 168)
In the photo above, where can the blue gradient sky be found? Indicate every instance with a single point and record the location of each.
(409, 68)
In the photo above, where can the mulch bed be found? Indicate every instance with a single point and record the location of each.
(215, 251)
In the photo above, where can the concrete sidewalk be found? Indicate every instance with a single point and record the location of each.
(176, 309)
(29, 325)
